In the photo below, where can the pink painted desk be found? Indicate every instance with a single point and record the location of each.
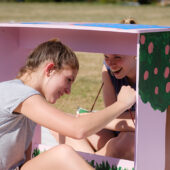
(151, 45)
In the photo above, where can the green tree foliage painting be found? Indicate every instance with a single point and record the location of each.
(154, 65)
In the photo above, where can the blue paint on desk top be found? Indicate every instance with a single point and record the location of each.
(121, 26)
(104, 25)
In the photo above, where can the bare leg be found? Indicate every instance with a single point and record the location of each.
(99, 139)
(90, 145)
(78, 145)
(61, 157)
(121, 146)
(105, 143)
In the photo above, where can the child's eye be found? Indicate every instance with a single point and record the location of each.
(106, 57)
(117, 57)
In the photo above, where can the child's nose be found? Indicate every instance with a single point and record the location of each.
(111, 62)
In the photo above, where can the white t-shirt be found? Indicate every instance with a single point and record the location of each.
(16, 130)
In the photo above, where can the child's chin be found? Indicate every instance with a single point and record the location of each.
(52, 101)
(119, 76)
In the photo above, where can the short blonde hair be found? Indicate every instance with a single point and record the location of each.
(52, 50)
(128, 20)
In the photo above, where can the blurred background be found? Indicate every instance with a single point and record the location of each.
(88, 82)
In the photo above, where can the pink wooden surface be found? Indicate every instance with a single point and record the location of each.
(150, 138)
(12, 56)
(37, 137)
(125, 164)
(78, 40)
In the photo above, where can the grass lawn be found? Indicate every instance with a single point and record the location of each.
(88, 81)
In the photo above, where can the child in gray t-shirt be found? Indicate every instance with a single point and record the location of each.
(48, 74)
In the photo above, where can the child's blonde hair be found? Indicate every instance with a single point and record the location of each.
(52, 50)
(128, 20)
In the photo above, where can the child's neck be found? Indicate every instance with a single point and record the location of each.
(31, 79)
(132, 79)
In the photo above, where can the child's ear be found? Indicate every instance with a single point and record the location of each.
(49, 68)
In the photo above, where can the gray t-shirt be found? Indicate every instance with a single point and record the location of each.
(16, 130)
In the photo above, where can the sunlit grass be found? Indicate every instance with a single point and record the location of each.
(83, 12)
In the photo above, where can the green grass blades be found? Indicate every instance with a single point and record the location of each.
(36, 152)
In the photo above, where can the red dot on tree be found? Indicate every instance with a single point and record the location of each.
(146, 75)
(156, 71)
(142, 39)
(156, 90)
(167, 48)
(168, 87)
(166, 73)
(150, 47)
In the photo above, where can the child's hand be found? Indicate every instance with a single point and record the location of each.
(127, 96)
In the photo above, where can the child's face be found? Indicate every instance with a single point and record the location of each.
(121, 65)
(59, 83)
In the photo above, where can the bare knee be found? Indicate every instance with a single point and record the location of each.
(63, 150)
(125, 145)
(127, 139)
(50, 159)
(104, 136)
(121, 146)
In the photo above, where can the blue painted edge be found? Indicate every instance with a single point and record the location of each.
(122, 26)
(107, 25)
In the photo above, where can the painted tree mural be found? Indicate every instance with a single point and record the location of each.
(154, 83)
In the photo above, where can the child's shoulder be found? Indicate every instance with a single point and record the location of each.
(9, 83)
(13, 92)
(15, 88)
(15, 84)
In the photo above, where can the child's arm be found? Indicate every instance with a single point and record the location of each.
(37, 109)
(124, 121)
(109, 94)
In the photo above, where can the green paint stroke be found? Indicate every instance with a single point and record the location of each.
(154, 80)
(104, 165)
